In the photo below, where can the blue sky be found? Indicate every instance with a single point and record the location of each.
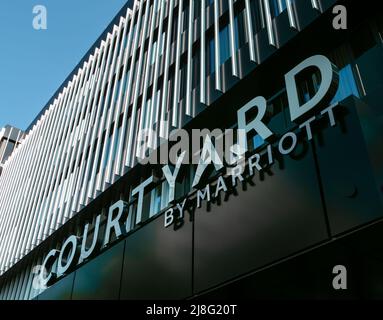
(33, 64)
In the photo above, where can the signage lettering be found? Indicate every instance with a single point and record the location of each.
(74, 252)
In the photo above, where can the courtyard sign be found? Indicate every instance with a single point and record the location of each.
(76, 250)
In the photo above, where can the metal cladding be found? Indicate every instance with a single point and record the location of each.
(85, 139)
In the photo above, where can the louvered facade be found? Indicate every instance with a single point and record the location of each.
(160, 65)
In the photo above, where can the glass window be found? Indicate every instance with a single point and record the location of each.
(146, 113)
(162, 44)
(174, 26)
(241, 37)
(197, 8)
(224, 43)
(118, 45)
(156, 104)
(125, 85)
(155, 201)
(257, 16)
(277, 7)
(224, 54)
(154, 51)
(211, 56)
(146, 206)
(170, 91)
(134, 32)
(107, 152)
(116, 142)
(185, 18)
(195, 70)
(158, 7)
(347, 84)
(183, 81)
(124, 43)
(165, 195)
(8, 150)
(257, 141)
(116, 92)
(308, 83)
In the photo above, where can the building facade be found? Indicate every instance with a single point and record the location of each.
(172, 64)
(10, 138)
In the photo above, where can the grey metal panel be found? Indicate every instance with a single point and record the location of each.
(130, 158)
(218, 80)
(101, 125)
(11, 172)
(163, 131)
(269, 23)
(110, 106)
(7, 245)
(81, 182)
(154, 114)
(291, 14)
(51, 202)
(7, 177)
(127, 37)
(177, 67)
(55, 219)
(103, 132)
(82, 143)
(315, 4)
(105, 51)
(37, 183)
(203, 53)
(234, 66)
(58, 152)
(124, 127)
(42, 172)
(189, 59)
(2, 155)
(20, 165)
(250, 31)
(32, 201)
(76, 144)
(145, 109)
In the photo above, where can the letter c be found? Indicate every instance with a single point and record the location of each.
(46, 280)
(62, 268)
